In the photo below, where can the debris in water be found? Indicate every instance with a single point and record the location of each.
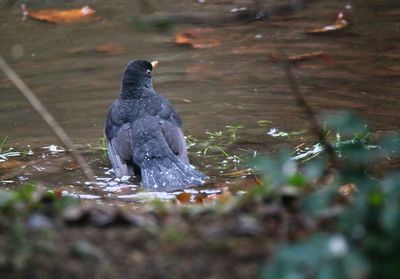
(59, 16)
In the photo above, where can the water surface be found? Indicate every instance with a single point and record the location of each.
(238, 82)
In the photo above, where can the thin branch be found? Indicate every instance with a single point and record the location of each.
(310, 114)
(45, 114)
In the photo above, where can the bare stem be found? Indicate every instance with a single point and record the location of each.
(50, 120)
(310, 114)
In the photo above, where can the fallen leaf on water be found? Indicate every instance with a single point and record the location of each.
(306, 56)
(59, 16)
(258, 180)
(198, 199)
(339, 24)
(11, 164)
(224, 196)
(184, 197)
(316, 54)
(198, 38)
(71, 166)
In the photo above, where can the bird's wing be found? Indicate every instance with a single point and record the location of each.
(119, 143)
(175, 139)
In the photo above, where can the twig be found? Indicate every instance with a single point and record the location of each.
(44, 113)
(310, 114)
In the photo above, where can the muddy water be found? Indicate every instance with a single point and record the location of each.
(76, 73)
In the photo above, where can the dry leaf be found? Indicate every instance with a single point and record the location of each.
(306, 56)
(258, 180)
(184, 197)
(198, 38)
(224, 196)
(59, 16)
(71, 166)
(340, 24)
(11, 164)
(317, 54)
(199, 199)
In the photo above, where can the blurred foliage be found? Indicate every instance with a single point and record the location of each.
(363, 239)
(21, 212)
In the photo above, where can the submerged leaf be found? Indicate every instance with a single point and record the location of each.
(72, 166)
(197, 38)
(59, 16)
(11, 164)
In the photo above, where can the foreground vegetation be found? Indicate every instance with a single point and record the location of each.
(310, 220)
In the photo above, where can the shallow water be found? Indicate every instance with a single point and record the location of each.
(237, 82)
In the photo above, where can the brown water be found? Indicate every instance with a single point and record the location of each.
(237, 82)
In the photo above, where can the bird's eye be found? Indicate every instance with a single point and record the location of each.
(148, 72)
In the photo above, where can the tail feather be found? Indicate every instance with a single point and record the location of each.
(165, 174)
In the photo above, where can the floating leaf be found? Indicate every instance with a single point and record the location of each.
(59, 16)
(224, 196)
(198, 38)
(11, 164)
(184, 197)
(71, 166)
(307, 56)
(339, 24)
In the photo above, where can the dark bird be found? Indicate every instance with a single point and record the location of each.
(144, 132)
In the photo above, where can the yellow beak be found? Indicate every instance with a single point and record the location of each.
(154, 64)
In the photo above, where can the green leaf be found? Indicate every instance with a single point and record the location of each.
(346, 123)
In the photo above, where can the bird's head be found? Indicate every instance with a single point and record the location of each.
(138, 75)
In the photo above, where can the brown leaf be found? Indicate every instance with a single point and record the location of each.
(71, 166)
(224, 196)
(59, 16)
(184, 197)
(199, 199)
(339, 24)
(258, 180)
(306, 56)
(327, 59)
(198, 38)
(11, 164)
